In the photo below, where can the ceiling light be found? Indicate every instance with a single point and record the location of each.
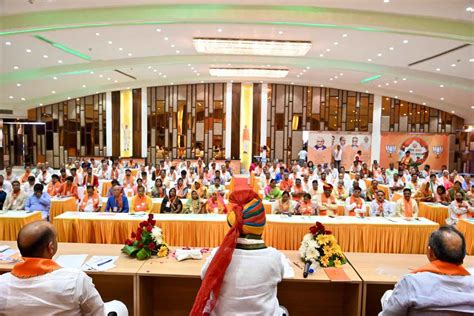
(15, 67)
(172, 45)
(251, 47)
(371, 79)
(53, 92)
(69, 98)
(172, 83)
(472, 106)
(84, 86)
(249, 72)
(129, 54)
(304, 70)
(108, 78)
(110, 42)
(101, 76)
(411, 91)
(60, 61)
(442, 99)
(115, 81)
(396, 97)
(328, 50)
(45, 56)
(321, 55)
(404, 79)
(424, 103)
(379, 85)
(198, 74)
(189, 65)
(441, 86)
(470, 9)
(379, 54)
(18, 84)
(453, 65)
(391, 48)
(166, 38)
(219, 30)
(120, 49)
(23, 99)
(28, 50)
(159, 74)
(55, 78)
(344, 35)
(452, 112)
(308, 67)
(369, 59)
(336, 43)
(336, 77)
(280, 32)
(10, 97)
(177, 52)
(97, 34)
(297, 76)
(471, 60)
(8, 43)
(41, 104)
(386, 1)
(395, 81)
(366, 91)
(155, 70)
(437, 69)
(91, 72)
(164, 76)
(158, 30)
(387, 84)
(405, 41)
(331, 79)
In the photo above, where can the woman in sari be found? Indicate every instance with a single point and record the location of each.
(158, 191)
(306, 206)
(441, 196)
(193, 204)
(171, 203)
(215, 204)
(285, 205)
(271, 191)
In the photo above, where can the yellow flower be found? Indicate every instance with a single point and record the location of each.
(337, 263)
(163, 252)
(323, 239)
(328, 251)
(325, 261)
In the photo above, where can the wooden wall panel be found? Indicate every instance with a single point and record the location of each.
(137, 122)
(235, 128)
(116, 123)
(257, 114)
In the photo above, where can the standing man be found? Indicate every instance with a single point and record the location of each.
(303, 156)
(337, 156)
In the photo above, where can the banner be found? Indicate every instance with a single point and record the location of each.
(126, 127)
(322, 144)
(431, 149)
(246, 116)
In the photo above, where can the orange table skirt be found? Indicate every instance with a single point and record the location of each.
(437, 213)
(106, 185)
(409, 239)
(61, 206)
(467, 228)
(10, 226)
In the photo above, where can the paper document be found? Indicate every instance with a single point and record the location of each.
(288, 272)
(10, 256)
(71, 261)
(100, 263)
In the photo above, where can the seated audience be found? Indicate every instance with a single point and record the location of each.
(26, 175)
(380, 206)
(69, 188)
(327, 202)
(171, 203)
(90, 179)
(181, 189)
(285, 205)
(215, 204)
(457, 187)
(5, 185)
(354, 205)
(297, 191)
(271, 191)
(113, 183)
(54, 187)
(9, 176)
(39, 286)
(118, 202)
(441, 196)
(424, 194)
(141, 202)
(39, 201)
(459, 208)
(200, 188)
(372, 190)
(286, 184)
(360, 183)
(194, 204)
(217, 187)
(406, 206)
(306, 206)
(29, 185)
(91, 202)
(442, 287)
(158, 190)
(340, 192)
(16, 200)
(396, 184)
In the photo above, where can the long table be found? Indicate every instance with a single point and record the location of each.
(466, 226)
(61, 205)
(12, 221)
(369, 234)
(380, 272)
(164, 286)
(436, 212)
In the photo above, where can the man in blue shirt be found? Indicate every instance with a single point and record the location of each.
(118, 202)
(39, 201)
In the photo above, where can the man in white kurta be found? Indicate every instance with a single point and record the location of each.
(381, 207)
(443, 287)
(459, 208)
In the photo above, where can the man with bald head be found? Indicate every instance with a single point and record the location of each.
(442, 287)
(39, 286)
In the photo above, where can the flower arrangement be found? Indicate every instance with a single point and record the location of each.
(319, 247)
(148, 240)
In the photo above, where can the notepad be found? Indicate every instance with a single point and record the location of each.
(100, 263)
(71, 261)
(336, 274)
(288, 272)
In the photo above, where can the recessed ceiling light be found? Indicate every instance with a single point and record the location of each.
(18, 84)
(304, 70)
(424, 103)
(97, 34)
(45, 56)
(115, 81)
(172, 83)
(177, 52)
(369, 59)
(91, 72)
(472, 106)
(155, 70)
(366, 91)
(8, 43)
(404, 79)
(101, 76)
(53, 92)
(292, 83)
(336, 43)
(442, 99)
(321, 85)
(55, 78)
(219, 30)
(379, 85)
(202, 81)
(321, 55)
(396, 97)
(120, 49)
(379, 54)
(41, 104)
(453, 65)
(328, 50)
(330, 79)
(110, 42)
(471, 60)
(386, 1)
(60, 61)
(10, 97)
(441, 86)
(344, 35)
(164, 76)
(308, 67)
(387, 84)
(69, 98)
(280, 32)
(395, 81)
(129, 54)
(23, 99)
(166, 38)
(391, 48)
(158, 30)
(198, 74)
(336, 77)
(189, 65)
(405, 41)
(15, 67)
(452, 112)
(84, 86)
(470, 9)
(28, 50)
(438, 69)
(173, 46)
(297, 76)
(159, 74)
(411, 91)
(108, 78)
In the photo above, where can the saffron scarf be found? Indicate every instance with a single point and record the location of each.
(85, 200)
(408, 207)
(140, 203)
(119, 201)
(443, 268)
(359, 202)
(33, 267)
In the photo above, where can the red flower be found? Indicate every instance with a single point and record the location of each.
(128, 242)
(313, 230)
(133, 235)
(151, 246)
(153, 222)
(143, 224)
(139, 231)
(327, 232)
(319, 226)
(150, 217)
(140, 245)
(149, 228)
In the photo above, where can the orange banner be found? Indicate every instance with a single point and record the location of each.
(431, 149)
(322, 144)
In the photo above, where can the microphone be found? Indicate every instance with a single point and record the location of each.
(306, 269)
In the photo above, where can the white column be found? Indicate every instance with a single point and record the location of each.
(263, 116)
(108, 122)
(144, 122)
(376, 128)
(228, 119)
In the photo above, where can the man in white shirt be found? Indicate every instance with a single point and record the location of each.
(459, 208)
(39, 286)
(442, 287)
(28, 187)
(302, 155)
(358, 182)
(5, 185)
(337, 156)
(380, 206)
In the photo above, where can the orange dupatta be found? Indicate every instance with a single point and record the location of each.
(95, 201)
(140, 203)
(358, 203)
(443, 268)
(33, 267)
(408, 208)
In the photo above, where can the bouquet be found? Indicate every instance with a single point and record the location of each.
(319, 247)
(148, 240)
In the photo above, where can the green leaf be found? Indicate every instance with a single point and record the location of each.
(143, 254)
(130, 250)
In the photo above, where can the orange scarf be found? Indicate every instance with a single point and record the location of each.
(405, 160)
(128, 180)
(306, 208)
(408, 208)
(443, 268)
(95, 201)
(324, 199)
(114, 175)
(25, 176)
(140, 203)
(33, 267)
(54, 189)
(459, 205)
(358, 203)
(119, 201)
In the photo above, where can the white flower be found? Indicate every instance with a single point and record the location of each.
(157, 235)
(307, 237)
(311, 253)
(313, 244)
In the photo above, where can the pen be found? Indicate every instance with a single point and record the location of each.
(102, 263)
